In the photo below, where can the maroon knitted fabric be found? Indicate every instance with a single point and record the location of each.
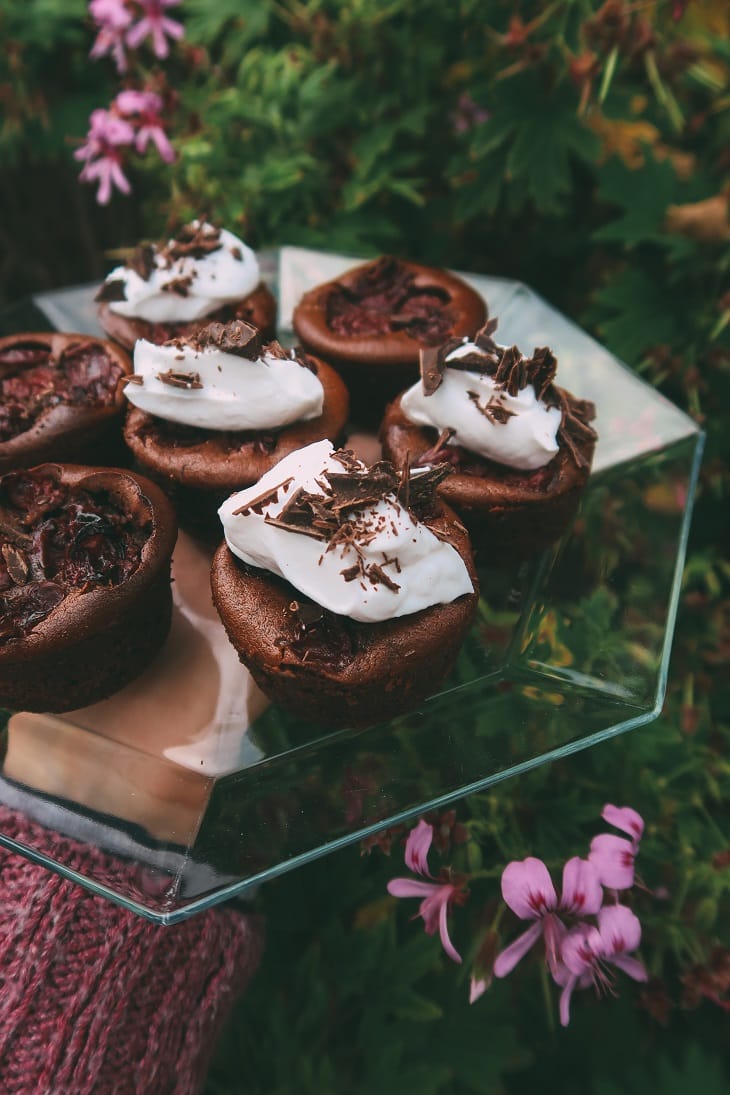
(94, 1000)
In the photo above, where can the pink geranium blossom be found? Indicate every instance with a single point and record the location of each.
(586, 953)
(146, 106)
(112, 17)
(437, 896)
(157, 26)
(613, 856)
(528, 890)
(102, 156)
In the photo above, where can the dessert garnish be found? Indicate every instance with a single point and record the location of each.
(384, 297)
(55, 538)
(349, 532)
(33, 378)
(511, 393)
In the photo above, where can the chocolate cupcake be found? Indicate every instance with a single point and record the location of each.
(371, 322)
(85, 598)
(347, 591)
(60, 398)
(169, 290)
(520, 446)
(214, 412)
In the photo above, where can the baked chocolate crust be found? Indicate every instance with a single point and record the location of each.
(223, 462)
(377, 366)
(258, 308)
(96, 632)
(330, 669)
(64, 392)
(510, 514)
(465, 309)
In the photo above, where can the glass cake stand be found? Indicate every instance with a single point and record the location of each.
(188, 788)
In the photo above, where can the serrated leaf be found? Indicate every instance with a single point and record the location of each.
(642, 196)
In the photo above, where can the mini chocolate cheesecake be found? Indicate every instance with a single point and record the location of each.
(197, 467)
(172, 264)
(511, 513)
(60, 398)
(328, 667)
(85, 598)
(371, 322)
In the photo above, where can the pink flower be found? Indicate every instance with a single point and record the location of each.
(156, 26)
(147, 107)
(112, 17)
(528, 890)
(586, 952)
(437, 895)
(101, 153)
(613, 856)
(477, 987)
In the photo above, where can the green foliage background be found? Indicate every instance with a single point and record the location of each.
(583, 148)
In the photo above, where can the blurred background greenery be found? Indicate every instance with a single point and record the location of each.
(585, 149)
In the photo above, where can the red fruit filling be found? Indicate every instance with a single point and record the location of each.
(383, 299)
(468, 463)
(54, 539)
(32, 380)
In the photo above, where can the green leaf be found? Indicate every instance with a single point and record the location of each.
(642, 195)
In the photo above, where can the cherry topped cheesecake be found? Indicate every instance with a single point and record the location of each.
(371, 322)
(85, 598)
(520, 446)
(346, 590)
(60, 398)
(169, 290)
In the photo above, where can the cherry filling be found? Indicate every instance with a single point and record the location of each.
(465, 462)
(32, 380)
(383, 299)
(54, 539)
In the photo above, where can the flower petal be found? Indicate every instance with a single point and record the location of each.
(507, 959)
(528, 889)
(632, 966)
(579, 949)
(444, 934)
(613, 859)
(411, 887)
(565, 996)
(417, 848)
(582, 893)
(477, 988)
(625, 819)
(620, 930)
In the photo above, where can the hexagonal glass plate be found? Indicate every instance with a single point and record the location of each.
(186, 788)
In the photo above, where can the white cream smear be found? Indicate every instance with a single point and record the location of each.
(426, 571)
(526, 440)
(222, 276)
(227, 392)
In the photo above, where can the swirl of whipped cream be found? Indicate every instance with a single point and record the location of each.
(214, 390)
(421, 569)
(196, 286)
(522, 436)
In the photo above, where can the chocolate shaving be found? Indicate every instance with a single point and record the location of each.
(142, 260)
(179, 286)
(189, 381)
(422, 487)
(111, 291)
(16, 563)
(494, 411)
(132, 378)
(574, 426)
(236, 337)
(237, 254)
(256, 505)
(193, 242)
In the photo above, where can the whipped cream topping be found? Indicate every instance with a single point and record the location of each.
(517, 430)
(392, 566)
(168, 285)
(214, 390)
